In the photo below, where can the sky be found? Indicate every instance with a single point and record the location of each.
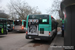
(43, 5)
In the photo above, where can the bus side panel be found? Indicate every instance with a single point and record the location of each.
(27, 22)
(50, 23)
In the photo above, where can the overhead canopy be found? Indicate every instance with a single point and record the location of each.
(3, 15)
(66, 3)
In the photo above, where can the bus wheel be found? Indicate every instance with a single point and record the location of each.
(53, 36)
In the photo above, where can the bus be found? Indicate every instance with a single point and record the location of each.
(40, 27)
(19, 25)
(3, 26)
(10, 25)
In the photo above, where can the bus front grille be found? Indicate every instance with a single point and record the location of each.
(41, 30)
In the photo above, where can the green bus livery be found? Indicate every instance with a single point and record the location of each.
(3, 26)
(40, 27)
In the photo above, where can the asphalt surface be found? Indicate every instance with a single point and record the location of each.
(57, 43)
(17, 41)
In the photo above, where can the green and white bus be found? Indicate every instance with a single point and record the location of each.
(40, 27)
(3, 26)
(10, 25)
(19, 25)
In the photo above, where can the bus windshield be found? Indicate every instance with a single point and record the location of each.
(18, 23)
(9, 23)
(43, 19)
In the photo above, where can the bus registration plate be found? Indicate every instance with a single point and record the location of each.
(37, 38)
(17, 30)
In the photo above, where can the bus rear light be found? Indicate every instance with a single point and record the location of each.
(26, 32)
(49, 33)
(32, 20)
(21, 20)
(22, 27)
(13, 27)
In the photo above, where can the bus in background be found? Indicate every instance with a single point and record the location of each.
(19, 25)
(10, 25)
(40, 27)
(3, 26)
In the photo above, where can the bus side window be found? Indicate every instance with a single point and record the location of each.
(24, 24)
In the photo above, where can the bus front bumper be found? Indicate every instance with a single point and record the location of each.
(36, 37)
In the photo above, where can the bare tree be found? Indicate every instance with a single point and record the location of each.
(35, 11)
(20, 10)
(54, 10)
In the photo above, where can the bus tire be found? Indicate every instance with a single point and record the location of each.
(51, 39)
(53, 36)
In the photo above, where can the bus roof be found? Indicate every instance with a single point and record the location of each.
(4, 18)
(40, 14)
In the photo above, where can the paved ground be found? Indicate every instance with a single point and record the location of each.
(57, 43)
(17, 41)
